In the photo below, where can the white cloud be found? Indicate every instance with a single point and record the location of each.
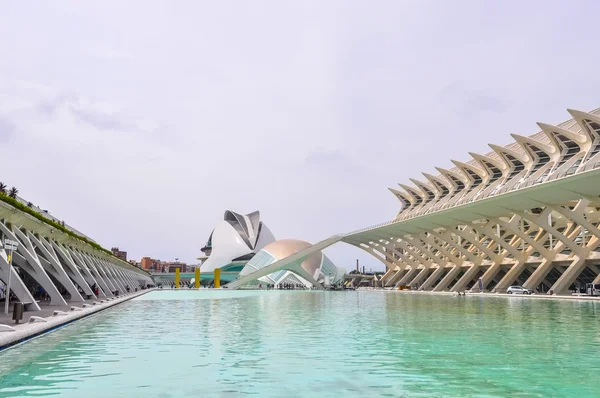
(111, 54)
(142, 134)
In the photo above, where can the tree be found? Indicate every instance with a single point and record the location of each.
(2, 188)
(13, 192)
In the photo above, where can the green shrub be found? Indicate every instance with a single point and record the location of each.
(18, 205)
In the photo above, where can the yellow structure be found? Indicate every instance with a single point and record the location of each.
(197, 279)
(217, 274)
(176, 278)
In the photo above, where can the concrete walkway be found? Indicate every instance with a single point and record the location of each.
(540, 296)
(26, 330)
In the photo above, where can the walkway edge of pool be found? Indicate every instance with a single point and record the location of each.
(26, 331)
(488, 294)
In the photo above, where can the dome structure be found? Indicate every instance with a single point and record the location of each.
(237, 237)
(316, 270)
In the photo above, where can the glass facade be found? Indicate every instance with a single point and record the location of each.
(326, 273)
(260, 260)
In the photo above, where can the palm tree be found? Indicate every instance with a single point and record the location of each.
(13, 192)
(2, 188)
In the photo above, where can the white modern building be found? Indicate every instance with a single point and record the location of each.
(316, 270)
(527, 213)
(241, 244)
(234, 241)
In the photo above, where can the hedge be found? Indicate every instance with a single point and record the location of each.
(15, 203)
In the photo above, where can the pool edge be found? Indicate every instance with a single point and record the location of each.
(9, 339)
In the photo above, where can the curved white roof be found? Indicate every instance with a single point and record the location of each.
(236, 236)
(316, 267)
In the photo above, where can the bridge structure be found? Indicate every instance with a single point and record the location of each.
(526, 213)
(64, 265)
(361, 280)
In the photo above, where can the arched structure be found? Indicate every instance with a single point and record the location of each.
(65, 267)
(525, 213)
(316, 270)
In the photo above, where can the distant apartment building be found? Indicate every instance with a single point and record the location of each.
(146, 263)
(152, 264)
(172, 266)
(119, 253)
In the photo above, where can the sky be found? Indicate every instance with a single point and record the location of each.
(139, 123)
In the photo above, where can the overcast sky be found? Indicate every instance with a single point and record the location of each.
(141, 122)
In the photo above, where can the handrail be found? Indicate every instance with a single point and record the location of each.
(432, 209)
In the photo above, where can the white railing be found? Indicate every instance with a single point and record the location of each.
(551, 177)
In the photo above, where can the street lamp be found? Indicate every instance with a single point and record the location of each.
(10, 246)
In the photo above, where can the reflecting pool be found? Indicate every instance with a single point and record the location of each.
(309, 344)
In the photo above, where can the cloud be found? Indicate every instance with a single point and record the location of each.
(101, 120)
(111, 54)
(84, 110)
(331, 161)
(141, 136)
(7, 129)
(466, 100)
(102, 116)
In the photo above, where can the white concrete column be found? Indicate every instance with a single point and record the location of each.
(137, 278)
(388, 274)
(109, 269)
(91, 276)
(576, 267)
(425, 256)
(100, 275)
(409, 262)
(109, 278)
(454, 271)
(496, 259)
(127, 276)
(70, 266)
(124, 277)
(408, 277)
(423, 239)
(27, 258)
(491, 230)
(416, 281)
(429, 257)
(533, 244)
(55, 268)
(371, 249)
(434, 277)
(384, 250)
(17, 286)
(447, 279)
(398, 275)
(468, 276)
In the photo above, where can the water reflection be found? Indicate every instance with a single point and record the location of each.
(314, 344)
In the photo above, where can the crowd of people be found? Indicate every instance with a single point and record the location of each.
(283, 286)
(261, 286)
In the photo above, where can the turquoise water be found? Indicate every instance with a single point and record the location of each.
(308, 344)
